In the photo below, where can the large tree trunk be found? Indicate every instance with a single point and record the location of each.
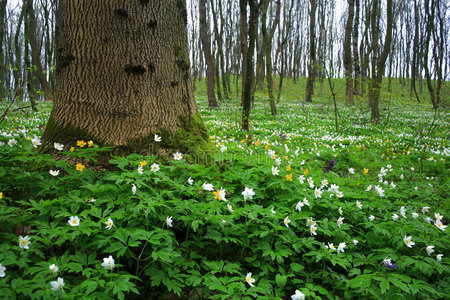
(312, 52)
(210, 71)
(2, 30)
(123, 76)
(348, 54)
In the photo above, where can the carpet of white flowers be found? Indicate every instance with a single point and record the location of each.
(292, 210)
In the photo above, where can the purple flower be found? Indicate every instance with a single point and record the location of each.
(330, 166)
(282, 136)
(389, 264)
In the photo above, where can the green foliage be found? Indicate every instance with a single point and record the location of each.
(171, 238)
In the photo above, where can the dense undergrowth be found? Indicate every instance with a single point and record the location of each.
(357, 213)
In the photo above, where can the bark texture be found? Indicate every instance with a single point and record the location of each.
(312, 52)
(122, 75)
(348, 54)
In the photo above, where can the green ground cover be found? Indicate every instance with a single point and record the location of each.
(360, 212)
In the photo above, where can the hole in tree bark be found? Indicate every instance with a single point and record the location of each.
(152, 24)
(144, 2)
(121, 13)
(174, 83)
(138, 69)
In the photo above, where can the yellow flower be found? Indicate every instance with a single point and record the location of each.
(366, 171)
(257, 143)
(1, 195)
(142, 163)
(289, 177)
(288, 168)
(72, 149)
(306, 172)
(91, 144)
(81, 144)
(266, 147)
(80, 167)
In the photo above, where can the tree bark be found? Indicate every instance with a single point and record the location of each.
(347, 59)
(312, 52)
(379, 62)
(207, 53)
(122, 76)
(248, 77)
(2, 56)
(356, 64)
(35, 52)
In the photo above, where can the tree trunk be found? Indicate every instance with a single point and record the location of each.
(415, 56)
(312, 52)
(35, 52)
(122, 76)
(355, 36)
(2, 56)
(347, 59)
(248, 77)
(204, 37)
(379, 62)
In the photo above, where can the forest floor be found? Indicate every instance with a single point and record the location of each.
(313, 200)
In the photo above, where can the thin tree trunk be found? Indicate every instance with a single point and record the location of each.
(348, 54)
(356, 64)
(312, 52)
(207, 53)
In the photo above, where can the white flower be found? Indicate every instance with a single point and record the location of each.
(403, 212)
(368, 188)
(272, 210)
(286, 221)
(169, 221)
(438, 224)
(109, 223)
(12, 142)
(54, 173)
(412, 169)
(190, 181)
(249, 279)
(402, 176)
(340, 195)
(430, 249)
(334, 188)
(157, 138)
(439, 257)
(379, 191)
(299, 206)
(2, 271)
(428, 220)
(438, 216)
(58, 284)
(108, 263)
(325, 182)
(24, 242)
(312, 230)
(133, 188)
(301, 178)
(395, 217)
(331, 246)
(230, 208)
(305, 201)
(208, 187)
(223, 148)
(355, 242)
(425, 209)
(340, 221)
(248, 193)
(415, 215)
(58, 146)
(74, 221)
(220, 194)
(154, 167)
(53, 268)
(310, 222)
(371, 218)
(351, 170)
(310, 182)
(298, 295)
(302, 163)
(140, 170)
(393, 185)
(278, 161)
(317, 193)
(341, 247)
(340, 210)
(408, 241)
(177, 156)
(35, 141)
(275, 170)
(359, 204)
